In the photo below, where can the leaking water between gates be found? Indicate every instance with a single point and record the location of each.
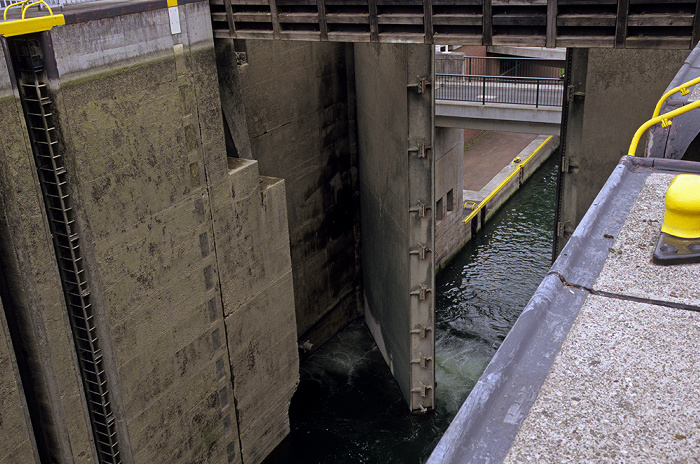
(348, 409)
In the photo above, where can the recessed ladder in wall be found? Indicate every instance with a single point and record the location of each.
(43, 132)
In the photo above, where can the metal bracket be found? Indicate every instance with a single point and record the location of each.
(422, 251)
(570, 93)
(421, 209)
(422, 390)
(241, 58)
(564, 228)
(422, 293)
(422, 361)
(422, 331)
(675, 250)
(567, 165)
(422, 150)
(421, 86)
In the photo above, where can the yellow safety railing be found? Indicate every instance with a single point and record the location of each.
(7, 8)
(515, 172)
(29, 25)
(472, 204)
(664, 119)
(683, 89)
(26, 7)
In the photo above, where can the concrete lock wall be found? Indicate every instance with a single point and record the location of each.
(299, 108)
(395, 145)
(450, 232)
(186, 252)
(15, 427)
(613, 92)
(32, 298)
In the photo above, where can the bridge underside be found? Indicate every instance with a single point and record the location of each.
(500, 117)
(544, 23)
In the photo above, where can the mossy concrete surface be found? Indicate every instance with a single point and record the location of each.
(187, 255)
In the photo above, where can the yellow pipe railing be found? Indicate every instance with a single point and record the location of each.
(683, 89)
(26, 7)
(29, 25)
(472, 204)
(664, 119)
(22, 2)
(515, 172)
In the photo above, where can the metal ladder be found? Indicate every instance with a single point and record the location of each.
(38, 109)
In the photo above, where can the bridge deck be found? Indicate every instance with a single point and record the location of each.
(550, 23)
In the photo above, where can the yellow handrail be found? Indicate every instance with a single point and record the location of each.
(503, 184)
(473, 205)
(25, 7)
(29, 25)
(664, 119)
(22, 2)
(683, 89)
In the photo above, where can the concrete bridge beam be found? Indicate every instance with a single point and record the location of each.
(544, 120)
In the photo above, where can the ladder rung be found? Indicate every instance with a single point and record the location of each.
(42, 100)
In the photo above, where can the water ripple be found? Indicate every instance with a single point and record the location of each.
(348, 409)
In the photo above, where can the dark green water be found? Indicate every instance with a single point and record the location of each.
(348, 409)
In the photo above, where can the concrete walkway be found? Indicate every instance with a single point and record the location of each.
(490, 152)
(489, 162)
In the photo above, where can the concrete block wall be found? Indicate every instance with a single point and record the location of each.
(144, 145)
(188, 257)
(299, 105)
(449, 63)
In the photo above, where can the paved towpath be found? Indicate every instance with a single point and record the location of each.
(489, 153)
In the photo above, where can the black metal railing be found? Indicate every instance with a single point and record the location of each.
(537, 91)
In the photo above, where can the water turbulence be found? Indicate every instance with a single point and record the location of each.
(348, 408)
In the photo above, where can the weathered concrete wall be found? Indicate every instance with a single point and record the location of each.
(188, 257)
(33, 303)
(614, 92)
(15, 426)
(395, 180)
(256, 279)
(299, 104)
(145, 149)
(450, 233)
